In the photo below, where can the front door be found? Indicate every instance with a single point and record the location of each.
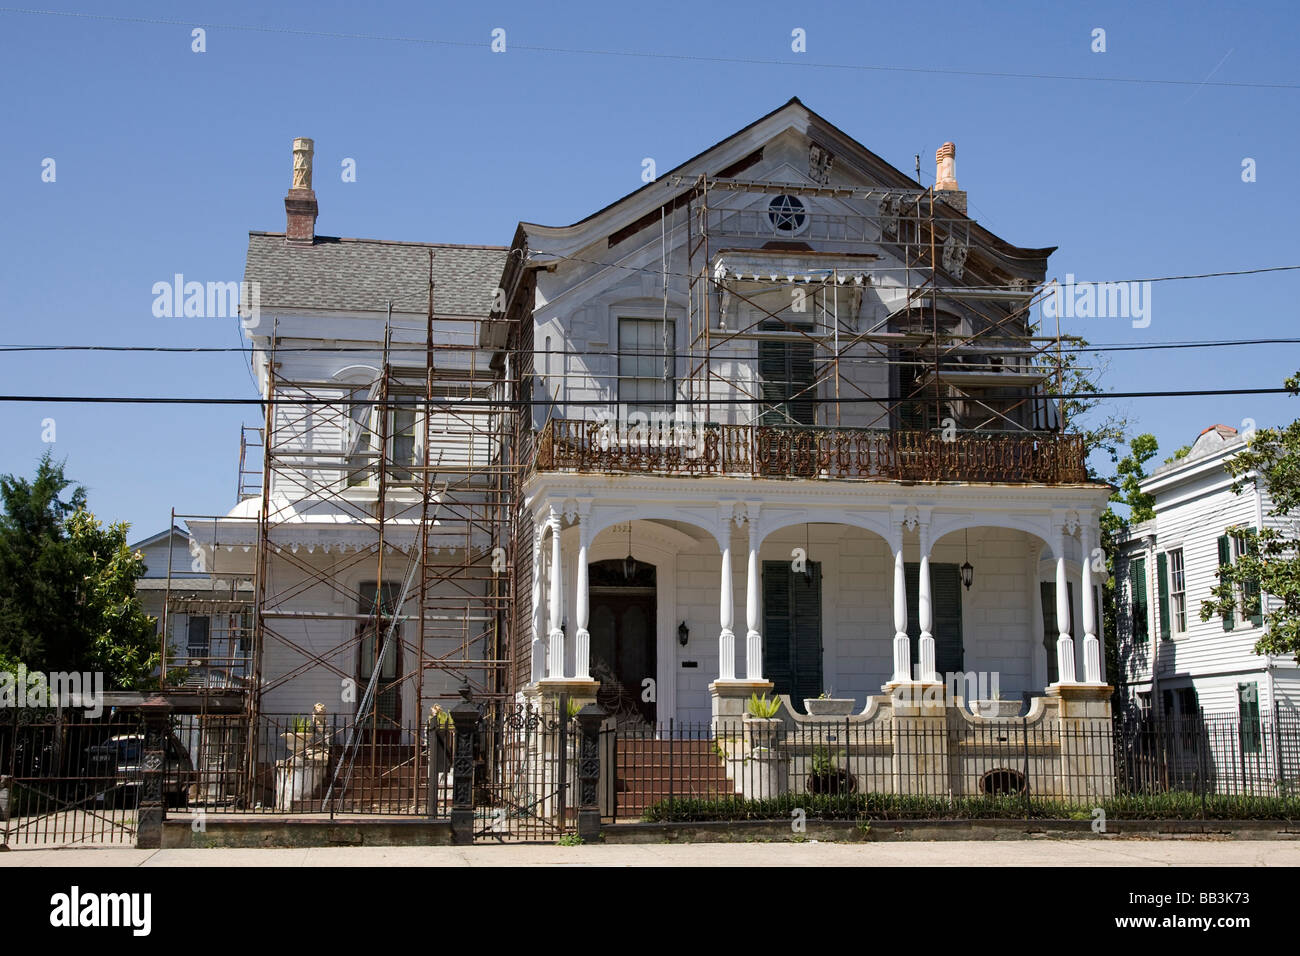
(622, 628)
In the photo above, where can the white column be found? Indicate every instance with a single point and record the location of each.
(555, 668)
(925, 613)
(1091, 646)
(902, 648)
(582, 649)
(753, 638)
(1064, 643)
(726, 612)
(538, 664)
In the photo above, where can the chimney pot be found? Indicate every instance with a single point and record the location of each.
(300, 203)
(945, 167)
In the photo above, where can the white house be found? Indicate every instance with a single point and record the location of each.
(776, 422)
(1175, 664)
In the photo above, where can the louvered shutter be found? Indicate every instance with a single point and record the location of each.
(792, 629)
(1225, 559)
(1138, 600)
(776, 626)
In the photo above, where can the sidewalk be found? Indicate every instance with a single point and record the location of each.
(1101, 852)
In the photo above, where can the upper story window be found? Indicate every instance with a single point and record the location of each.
(364, 434)
(646, 360)
(1177, 591)
(1246, 598)
(787, 214)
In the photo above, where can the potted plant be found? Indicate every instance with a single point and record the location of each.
(761, 721)
(826, 776)
(826, 704)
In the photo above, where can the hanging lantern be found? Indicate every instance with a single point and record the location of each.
(967, 571)
(629, 563)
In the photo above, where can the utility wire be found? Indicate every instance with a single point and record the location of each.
(655, 353)
(471, 404)
(641, 54)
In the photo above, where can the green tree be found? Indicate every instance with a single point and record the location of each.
(67, 584)
(1129, 473)
(1271, 559)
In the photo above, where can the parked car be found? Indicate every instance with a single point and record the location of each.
(118, 766)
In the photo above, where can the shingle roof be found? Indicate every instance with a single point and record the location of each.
(362, 275)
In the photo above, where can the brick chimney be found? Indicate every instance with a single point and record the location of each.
(945, 177)
(300, 203)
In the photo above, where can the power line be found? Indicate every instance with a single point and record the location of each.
(248, 349)
(642, 54)
(471, 404)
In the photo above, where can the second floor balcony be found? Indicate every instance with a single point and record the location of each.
(811, 452)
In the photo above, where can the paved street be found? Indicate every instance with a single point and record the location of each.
(1068, 853)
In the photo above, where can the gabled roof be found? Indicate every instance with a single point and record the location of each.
(727, 156)
(175, 532)
(363, 275)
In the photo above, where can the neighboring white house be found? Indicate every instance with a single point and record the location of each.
(1175, 664)
(208, 620)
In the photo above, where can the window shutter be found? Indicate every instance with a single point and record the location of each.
(1162, 584)
(776, 625)
(1138, 599)
(1047, 596)
(945, 607)
(945, 589)
(1248, 715)
(786, 369)
(806, 618)
(1252, 592)
(1225, 558)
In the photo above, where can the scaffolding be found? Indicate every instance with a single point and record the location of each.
(375, 533)
(956, 344)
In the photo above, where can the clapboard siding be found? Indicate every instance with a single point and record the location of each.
(1192, 515)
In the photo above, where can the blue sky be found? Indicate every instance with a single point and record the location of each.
(165, 158)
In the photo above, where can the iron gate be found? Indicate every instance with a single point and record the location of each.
(73, 782)
(525, 774)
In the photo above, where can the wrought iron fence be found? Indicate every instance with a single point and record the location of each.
(914, 768)
(304, 765)
(69, 780)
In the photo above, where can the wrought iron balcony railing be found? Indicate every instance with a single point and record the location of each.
(778, 451)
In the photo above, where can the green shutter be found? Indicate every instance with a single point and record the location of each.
(806, 616)
(792, 629)
(945, 591)
(1162, 585)
(1248, 714)
(945, 607)
(776, 625)
(1047, 598)
(1225, 559)
(785, 369)
(1051, 630)
(1252, 591)
(1137, 576)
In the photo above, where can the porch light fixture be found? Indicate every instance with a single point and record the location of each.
(683, 633)
(967, 572)
(629, 563)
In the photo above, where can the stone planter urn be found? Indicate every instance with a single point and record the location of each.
(761, 732)
(996, 708)
(6, 784)
(828, 706)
